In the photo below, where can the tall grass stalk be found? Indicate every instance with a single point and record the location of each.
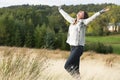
(21, 67)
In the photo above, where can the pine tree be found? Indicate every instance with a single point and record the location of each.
(39, 34)
(29, 42)
(49, 39)
(18, 40)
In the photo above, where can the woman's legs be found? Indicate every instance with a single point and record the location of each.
(72, 64)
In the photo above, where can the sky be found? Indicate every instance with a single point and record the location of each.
(6, 3)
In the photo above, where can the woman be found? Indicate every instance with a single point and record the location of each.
(76, 38)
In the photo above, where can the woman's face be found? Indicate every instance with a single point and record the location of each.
(80, 15)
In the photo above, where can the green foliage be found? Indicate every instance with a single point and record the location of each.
(98, 47)
(18, 39)
(29, 40)
(3, 33)
(61, 41)
(113, 40)
(39, 35)
(49, 39)
(43, 26)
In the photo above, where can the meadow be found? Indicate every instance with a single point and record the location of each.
(42, 64)
(113, 40)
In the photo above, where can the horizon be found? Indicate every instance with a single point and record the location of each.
(55, 5)
(9, 3)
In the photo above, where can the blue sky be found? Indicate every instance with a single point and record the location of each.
(5, 3)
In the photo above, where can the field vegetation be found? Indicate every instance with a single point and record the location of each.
(43, 64)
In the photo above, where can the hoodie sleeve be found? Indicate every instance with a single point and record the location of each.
(66, 16)
(88, 20)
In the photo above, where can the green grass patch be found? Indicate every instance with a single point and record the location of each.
(116, 48)
(113, 40)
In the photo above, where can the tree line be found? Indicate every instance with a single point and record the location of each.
(42, 26)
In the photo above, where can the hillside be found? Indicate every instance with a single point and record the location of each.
(42, 26)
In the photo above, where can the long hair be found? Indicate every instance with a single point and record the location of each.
(85, 17)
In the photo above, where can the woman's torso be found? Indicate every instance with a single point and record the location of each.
(76, 34)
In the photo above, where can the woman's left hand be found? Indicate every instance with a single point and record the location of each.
(106, 9)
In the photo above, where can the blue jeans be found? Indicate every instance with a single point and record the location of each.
(72, 63)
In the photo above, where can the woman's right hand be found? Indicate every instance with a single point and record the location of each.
(104, 10)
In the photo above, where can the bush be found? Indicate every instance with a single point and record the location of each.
(60, 41)
(98, 47)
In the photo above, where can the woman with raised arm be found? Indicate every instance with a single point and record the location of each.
(76, 38)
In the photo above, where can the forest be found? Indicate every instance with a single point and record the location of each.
(42, 26)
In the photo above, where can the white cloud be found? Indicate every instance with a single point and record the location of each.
(4, 3)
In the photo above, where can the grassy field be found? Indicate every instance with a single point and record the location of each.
(113, 40)
(43, 64)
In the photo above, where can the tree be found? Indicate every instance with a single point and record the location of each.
(3, 33)
(18, 40)
(49, 39)
(39, 34)
(60, 41)
(43, 26)
(29, 40)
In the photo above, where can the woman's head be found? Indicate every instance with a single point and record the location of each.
(82, 15)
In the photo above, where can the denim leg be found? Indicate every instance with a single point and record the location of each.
(72, 64)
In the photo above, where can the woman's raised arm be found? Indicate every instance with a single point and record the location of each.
(88, 20)
(66, 15)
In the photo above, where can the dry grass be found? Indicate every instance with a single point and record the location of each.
(42, 64)
(17, 66)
